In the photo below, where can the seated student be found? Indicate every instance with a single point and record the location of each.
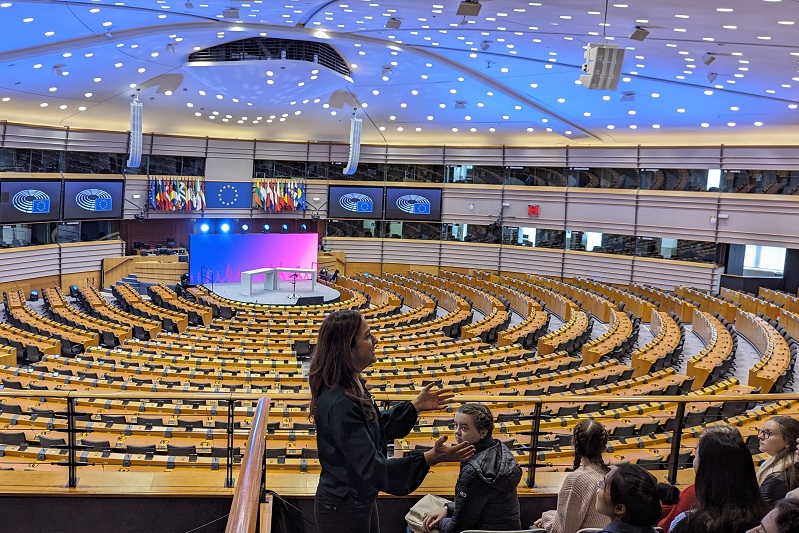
(784, 518)
(728, 499)
(485, 493)
(630, 496)
(779, 473)
(686, 500)
(577, 496)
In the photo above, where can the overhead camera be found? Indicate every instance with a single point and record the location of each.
(140, 216)
(315, 217)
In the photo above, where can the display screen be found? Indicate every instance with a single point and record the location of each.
(23, 201)
(89, 200)
(413, 204)
(355, 202)
(227, 255)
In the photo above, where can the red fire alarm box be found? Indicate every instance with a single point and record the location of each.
(532, 210)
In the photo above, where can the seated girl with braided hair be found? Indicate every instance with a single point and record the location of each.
(577, 496)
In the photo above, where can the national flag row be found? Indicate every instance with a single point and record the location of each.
(177, 193)
(278, 195)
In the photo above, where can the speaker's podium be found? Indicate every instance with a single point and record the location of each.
(602, 66)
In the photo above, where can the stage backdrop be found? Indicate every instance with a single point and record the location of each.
(227, 255)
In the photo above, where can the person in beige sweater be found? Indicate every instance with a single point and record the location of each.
(577, 496)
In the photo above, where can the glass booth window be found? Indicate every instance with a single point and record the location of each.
(412, 230)
(607, 243)
(764, 261)
(518, 236)
(491, 233)
(535, 176)
(673, 179)
(605, 178)
(761, 181)
(415, 173)
(352, 228)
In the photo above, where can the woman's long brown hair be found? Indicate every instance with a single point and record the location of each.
(331, 362)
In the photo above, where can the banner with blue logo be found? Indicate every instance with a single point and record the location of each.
(227, 195)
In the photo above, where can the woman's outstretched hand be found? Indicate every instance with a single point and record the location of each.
(432, 400)
(441, 453)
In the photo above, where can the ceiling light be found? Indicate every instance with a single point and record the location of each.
(639, 34)
(469, 8)
(708, 58)
(393, 23)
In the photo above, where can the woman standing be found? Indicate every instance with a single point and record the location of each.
(353, 435)
(778, 474)
(577, 496)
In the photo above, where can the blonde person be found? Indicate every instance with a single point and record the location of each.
(485, 493)
(577, 496)
(779, 473)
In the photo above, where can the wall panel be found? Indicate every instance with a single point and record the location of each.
(551, 202)
(603, 157)
(470, 255)
(135, 185)
(278, 151)
(97, 141)
(411, 252)
(474, 156)
(180, 146)
(543, 261)
(666, 274)
(760, 158)
(679, 157)
(608, 210)
(536, 157)
(754, 221)
(677, 215)
(371, 154)
(601, 267)
(359, 250)
(21, 136)
(231, 149)
(416, 155)
(456, 199)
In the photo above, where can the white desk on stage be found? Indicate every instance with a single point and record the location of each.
(272, 278)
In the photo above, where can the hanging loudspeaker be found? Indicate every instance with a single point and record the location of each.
(355, 146)
(134, 157)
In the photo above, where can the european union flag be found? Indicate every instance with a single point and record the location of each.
(227, 195)
(421, 209)
(364, 207)
(41, 206)
(102, 204)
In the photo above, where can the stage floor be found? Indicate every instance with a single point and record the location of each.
(287, 294)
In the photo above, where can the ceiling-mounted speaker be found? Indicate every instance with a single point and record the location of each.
(602, 68)
(355, 146)
(134, 151)
(469, 8)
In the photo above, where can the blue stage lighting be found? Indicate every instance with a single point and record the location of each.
(266, 228)
(245, 228)
(225, 227)
(204, 227)
(285, 228)
(304, 228)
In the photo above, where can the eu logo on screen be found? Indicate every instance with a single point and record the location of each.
(421, 209)
(41, 206)
(364, 207)
(102, 204)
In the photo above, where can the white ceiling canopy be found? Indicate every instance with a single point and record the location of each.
(718, 71)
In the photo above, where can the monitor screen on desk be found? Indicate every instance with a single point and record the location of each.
(23, 201)
(227, 255)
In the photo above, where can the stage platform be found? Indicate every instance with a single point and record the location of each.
(287, 293)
